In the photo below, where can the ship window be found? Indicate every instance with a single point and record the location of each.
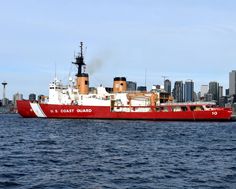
(51, 87)
(158, 109)
(176, 109)
(196, 108)
(86, 82)
(164, 109)
(184, 108)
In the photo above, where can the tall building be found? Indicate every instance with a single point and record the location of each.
(167, 86)
(16, 97)
(189, 91)
(4, 99)
(226, 92)
(178, 92)
(208, 97)
(204, 90)
(32, 97)
(232, 82)
(131, 86)
(214, 90)
(220, 91)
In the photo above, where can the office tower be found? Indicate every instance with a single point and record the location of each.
(32, 97)
(16, 97)
(178, 91)
(131, 86)
(226, 92)
(223, 101)
(188, 91)
(204, 90)
(142, 88)
(208, 97)
(167, 86)
(232, 82)
(220, 91)
(214, 90)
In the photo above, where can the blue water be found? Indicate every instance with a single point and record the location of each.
(100, 154)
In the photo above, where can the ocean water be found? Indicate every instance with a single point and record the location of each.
(100, 154)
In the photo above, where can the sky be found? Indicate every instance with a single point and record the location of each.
(179, 39)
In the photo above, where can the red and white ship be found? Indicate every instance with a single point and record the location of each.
(77, 101)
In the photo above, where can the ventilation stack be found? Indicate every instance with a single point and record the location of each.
(83, 83)
(119, 85)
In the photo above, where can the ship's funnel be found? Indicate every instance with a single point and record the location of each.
(119, 84)
(83, 83)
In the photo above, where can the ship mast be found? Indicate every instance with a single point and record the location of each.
(82, 78)
(79, 61)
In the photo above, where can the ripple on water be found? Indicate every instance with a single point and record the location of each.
(42, 153)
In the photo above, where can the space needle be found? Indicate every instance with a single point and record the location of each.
(4, 83)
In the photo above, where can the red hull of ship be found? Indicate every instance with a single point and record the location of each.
(104, 112)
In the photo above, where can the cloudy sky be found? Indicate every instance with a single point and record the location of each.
(181, 39)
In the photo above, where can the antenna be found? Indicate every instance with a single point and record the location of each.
(164, 77)
(55, 67)
(79, 60)
(145, 77)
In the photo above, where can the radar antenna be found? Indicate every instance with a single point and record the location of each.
(79, 60)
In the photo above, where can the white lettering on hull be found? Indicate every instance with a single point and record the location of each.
(84, 110)
(71, 110)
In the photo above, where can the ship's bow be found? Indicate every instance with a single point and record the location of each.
(24, 109)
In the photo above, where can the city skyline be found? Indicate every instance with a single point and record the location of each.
(180, 39)
(171, 87)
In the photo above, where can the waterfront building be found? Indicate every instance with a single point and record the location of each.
(142, 88)
(167, 86)
(204, 90)
(223, 101)
(178, 91)
(16, 97)
(199, 96)
(131, 86)
(195, 97)
(232, 82)
(226, 92)
(32, 97)
(220, 91)
(4, 99)
(214, 90)
(188, 91)
(208, 97)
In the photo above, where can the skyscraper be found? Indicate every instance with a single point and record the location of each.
(131, 86)
(204, 90)
(214, 90)
(178, 91)
(232, 82)
(188, 91)
(167, 86)
(16, 97)
(220, 91)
